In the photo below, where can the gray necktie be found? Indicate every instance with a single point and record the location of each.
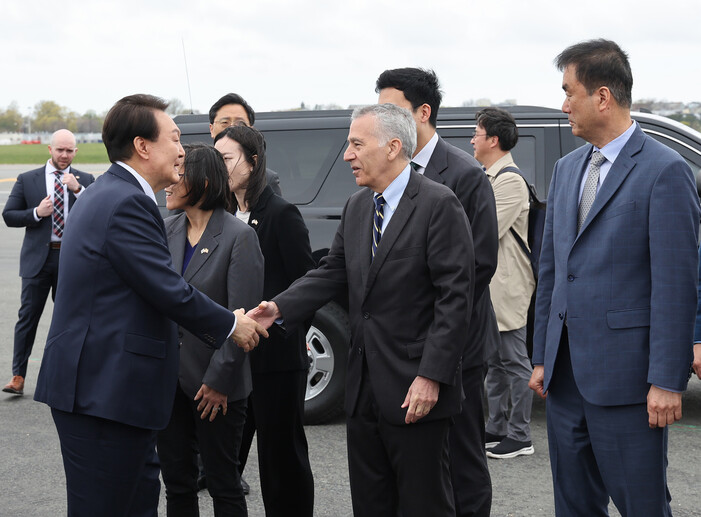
(589, 193)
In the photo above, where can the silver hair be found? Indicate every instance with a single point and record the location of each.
(391, 122)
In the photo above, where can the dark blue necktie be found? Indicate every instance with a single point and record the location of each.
(377, 222)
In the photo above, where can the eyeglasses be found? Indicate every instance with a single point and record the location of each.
(228, 122)
(477, 134)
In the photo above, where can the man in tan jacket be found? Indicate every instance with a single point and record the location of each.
(508, 428)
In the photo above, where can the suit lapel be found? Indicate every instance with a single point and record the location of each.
(177, 234)
(365, 222)
(258, 212)
(575, 177)
(394, 228)
(208, 243)
(39, 181)
(438, 162)
(616, 176)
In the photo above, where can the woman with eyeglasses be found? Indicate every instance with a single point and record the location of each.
(220, 256)
(280, 363)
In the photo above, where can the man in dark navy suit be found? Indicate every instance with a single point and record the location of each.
(110, 364)
(40, 201)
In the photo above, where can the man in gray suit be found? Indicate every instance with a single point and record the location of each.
(40, 201)
(404, 252)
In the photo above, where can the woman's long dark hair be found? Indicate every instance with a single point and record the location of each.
(253, 146)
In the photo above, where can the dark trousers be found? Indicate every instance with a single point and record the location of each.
(218, 443)
(472, 484)
(397, 469)
(275, 414)
(602, 451)
(35, 291)
(111, 468)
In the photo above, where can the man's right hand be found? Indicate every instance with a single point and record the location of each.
(45, 208)
(266, 314)
(537, 380)
(246, 332)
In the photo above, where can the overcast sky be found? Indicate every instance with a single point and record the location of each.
(277, 53)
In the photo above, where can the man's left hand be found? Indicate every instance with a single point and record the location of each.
(663, 407)
(212, 402)
(70, 181)
(420, 399)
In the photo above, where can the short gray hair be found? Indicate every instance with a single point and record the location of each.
(391, 122)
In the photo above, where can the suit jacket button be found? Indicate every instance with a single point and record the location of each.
(360, 351)
(570, 278)
(560, 316)
(366, 315)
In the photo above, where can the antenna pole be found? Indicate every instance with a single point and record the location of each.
(187, 74)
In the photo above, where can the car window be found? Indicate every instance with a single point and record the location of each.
(693, 158)
(302, 159)
(524, 153)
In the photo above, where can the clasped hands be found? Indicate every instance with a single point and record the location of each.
(247, 332)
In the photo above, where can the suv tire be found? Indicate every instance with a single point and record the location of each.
(328, 340)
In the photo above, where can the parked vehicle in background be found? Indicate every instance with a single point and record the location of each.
(306, 149)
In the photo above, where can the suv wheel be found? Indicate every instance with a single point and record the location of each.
(328, 339)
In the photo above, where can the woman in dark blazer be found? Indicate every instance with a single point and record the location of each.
(280, 363)
(220, 256)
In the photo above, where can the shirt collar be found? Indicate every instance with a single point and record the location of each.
(498, 165)
(614, 147)
(395, 190)
(144, 184)
(50, 169)
(424, 155)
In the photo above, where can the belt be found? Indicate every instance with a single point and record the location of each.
(55, 245)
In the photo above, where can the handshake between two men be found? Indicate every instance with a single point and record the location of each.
(250, 326)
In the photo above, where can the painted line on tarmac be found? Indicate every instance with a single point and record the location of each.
(7, 180)
(686, 427)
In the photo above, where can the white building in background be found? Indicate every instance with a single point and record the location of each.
(45, 138)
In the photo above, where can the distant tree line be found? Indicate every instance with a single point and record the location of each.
(48, 116)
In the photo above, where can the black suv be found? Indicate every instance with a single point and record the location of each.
(306, 149)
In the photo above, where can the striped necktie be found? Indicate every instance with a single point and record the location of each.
(377, 222)
(57, 216)
(589, 192)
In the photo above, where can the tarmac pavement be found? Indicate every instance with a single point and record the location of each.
(31, 472)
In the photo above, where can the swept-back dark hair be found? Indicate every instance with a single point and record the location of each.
(418, 85)
(232, 98)
(206, 177)
(500, 123)
(130, 117)
(253, 146)
(600, 62)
